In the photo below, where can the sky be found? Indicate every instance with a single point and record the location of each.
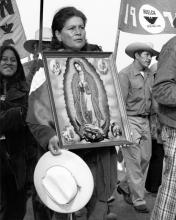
(101, 28)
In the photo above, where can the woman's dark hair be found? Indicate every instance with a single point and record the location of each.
(19, 75)
(60, 19)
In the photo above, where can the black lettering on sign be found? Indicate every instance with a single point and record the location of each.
(6, 4)
(149, 12)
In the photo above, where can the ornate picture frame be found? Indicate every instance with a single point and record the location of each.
(86, 100)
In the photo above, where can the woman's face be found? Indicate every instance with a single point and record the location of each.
(8, 63)
(73, 34)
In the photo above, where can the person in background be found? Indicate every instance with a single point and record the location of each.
(136, 82)
(154, 174)
(69, 34)
(16, 143)
(164, 92)
(32, 46)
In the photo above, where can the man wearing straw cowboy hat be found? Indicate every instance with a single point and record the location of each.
(164, 91)
(136, 83)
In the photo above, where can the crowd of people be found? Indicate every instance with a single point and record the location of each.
(149, 97)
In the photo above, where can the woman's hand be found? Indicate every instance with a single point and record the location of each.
(53, 145)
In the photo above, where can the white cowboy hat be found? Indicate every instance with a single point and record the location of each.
(29, 45)
(139, 46)
(64, 182)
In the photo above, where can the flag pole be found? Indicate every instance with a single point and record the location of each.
(117, 34)
(116, 44)
(41, 26)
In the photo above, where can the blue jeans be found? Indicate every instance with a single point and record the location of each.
(137, 157)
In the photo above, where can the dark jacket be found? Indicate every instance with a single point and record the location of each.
(13, 149)
(164, 89)
(103, 160)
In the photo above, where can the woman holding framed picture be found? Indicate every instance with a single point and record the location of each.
(69, 34)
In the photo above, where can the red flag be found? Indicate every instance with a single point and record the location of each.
(147, 16)
(11, 29)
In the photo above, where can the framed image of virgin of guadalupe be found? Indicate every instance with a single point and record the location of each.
(86, 99)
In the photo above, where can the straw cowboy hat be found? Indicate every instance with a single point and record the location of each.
(64, 182)
(30, 45)
(139, 46)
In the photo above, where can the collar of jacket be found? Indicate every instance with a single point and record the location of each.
(137, 72)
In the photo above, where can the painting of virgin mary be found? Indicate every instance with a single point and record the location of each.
(85, 100)
(89, 100)
(85, 94)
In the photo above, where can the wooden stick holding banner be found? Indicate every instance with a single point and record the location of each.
(114, 57)
(41, 26)
(116, 44)
(49, 86)
(117, 35)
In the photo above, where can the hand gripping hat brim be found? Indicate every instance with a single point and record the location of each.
(64, 182)
(139, 46)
